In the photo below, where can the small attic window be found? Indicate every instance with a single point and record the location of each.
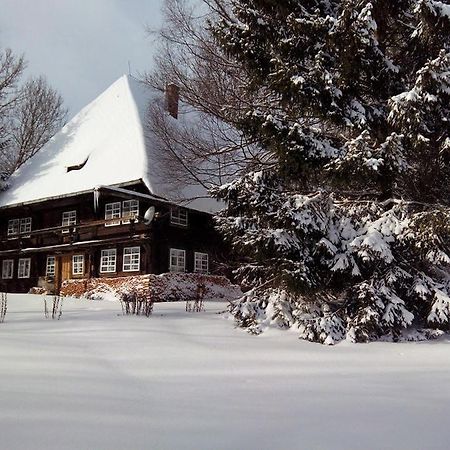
(77, 166)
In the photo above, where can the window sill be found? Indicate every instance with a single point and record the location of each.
(178, 225)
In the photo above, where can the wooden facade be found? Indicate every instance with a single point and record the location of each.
(83, 236)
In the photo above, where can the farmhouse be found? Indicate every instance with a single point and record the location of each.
(94, 201)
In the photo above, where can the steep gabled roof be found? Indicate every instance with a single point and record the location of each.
(106, 143)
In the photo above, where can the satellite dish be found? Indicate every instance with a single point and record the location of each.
(149, 215)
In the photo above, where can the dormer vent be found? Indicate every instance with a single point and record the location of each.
(172, 99)
(77, 166)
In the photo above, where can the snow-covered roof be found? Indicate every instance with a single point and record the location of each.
(108, 140)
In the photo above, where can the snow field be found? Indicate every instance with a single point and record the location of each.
(98, 380)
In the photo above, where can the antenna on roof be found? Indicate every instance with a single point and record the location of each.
(129, 67)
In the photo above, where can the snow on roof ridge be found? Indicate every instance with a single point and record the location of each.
(108, 133)
(105, 143)
(141, 111)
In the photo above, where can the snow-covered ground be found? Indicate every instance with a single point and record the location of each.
(96, 380)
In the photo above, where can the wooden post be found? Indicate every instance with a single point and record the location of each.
(57, 274)
(90, 264)
(147, 267)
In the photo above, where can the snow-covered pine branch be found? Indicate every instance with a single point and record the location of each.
(354, 221)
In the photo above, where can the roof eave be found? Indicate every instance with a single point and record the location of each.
(72, 194)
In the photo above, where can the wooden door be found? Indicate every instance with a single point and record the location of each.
(63, 270)
(66, 267)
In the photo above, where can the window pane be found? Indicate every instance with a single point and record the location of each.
(25, 225)
(130, 210)
(13, 226)
(178, 216)
(24, 268)
(69, 218)
(177, 260)
(50, 269)
(7, 269)
(108, 260)
(112, 211)
(201, 262)
(131, 259)
(78, 265)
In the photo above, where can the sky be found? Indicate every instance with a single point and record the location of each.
(81, 46)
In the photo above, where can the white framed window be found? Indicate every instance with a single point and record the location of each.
(179, 216)
(7, 269)
(24, 268)
(130, 210)
(69, 218)
(50, 266)
(131, 259)
(177, 260)
(108, 260)
(113, 211)
(16, 226)
(78, 265)
(25, 225)
(13, 226)
(201, 262)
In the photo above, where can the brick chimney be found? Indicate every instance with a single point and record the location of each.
(172, 99)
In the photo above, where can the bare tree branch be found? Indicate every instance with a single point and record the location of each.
(203, 147)
(30, 114)
(36, 117)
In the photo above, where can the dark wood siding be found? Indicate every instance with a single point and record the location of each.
(90, 236)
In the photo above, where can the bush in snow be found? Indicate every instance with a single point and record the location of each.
(196, 304)
(56, 307)
(347, 224)
(133, 304)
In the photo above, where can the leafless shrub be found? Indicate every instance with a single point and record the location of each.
(132, 304)
(56, 307)
(197, 305)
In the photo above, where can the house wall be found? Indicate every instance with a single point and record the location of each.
(154, 240)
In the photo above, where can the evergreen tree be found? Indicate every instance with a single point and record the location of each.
(345, 233)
